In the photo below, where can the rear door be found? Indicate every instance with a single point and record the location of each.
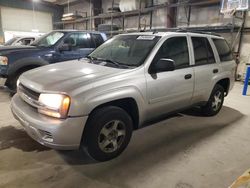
(173, 90)
(227, 63)
(205, 67)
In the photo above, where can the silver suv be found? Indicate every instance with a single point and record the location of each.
(95, 103)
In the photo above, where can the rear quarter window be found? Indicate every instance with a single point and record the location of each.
(224, 51)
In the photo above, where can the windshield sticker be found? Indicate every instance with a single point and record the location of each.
(145, 37)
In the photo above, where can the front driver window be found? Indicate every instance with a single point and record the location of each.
(71, 40)
(174, 48)
(78, 40)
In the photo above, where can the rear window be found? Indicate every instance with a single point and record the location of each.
(223, 49)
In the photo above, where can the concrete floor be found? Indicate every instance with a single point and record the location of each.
(185, 151)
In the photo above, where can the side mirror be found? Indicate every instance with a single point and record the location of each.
(65, 47)
(163, 65)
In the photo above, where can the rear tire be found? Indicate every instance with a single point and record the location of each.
(107, 133)
(215, 101)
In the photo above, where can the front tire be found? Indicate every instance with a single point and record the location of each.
(215, 101)
(11, 83)
(108, 132)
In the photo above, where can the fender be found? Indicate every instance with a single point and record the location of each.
(24, 62)
(89, 103)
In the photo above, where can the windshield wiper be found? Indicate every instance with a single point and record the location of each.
(102, 59)
(110, 61)
(88, 57)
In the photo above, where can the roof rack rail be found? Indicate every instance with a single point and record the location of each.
(197, 31)
(205, 32)
(187, 30)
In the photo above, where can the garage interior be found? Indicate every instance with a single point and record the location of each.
(186, 150)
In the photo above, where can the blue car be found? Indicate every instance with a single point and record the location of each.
(54, 47)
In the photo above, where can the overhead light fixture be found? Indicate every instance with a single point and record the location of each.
(68, 16)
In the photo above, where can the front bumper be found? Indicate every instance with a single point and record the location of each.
(62, 134)
(3, 71)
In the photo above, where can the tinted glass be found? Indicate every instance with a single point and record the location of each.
(78, 40)
(97, 38)
(71, 40)
(175, 48)
(130, 50)
(84, 40)
(26, 41)
(49, 39)
(223, 49)
(203, 52)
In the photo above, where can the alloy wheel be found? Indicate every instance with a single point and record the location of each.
(217, 101)
(112, 136)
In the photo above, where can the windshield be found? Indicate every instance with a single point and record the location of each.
(130, 50)
(11, 41)
(48, 40)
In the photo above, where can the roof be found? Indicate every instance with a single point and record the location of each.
(71, 31)
(161, 34)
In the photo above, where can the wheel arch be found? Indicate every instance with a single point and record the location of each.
(25, 64)
(128, 104)
(225, 83)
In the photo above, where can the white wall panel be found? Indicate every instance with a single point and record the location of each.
(23, 20)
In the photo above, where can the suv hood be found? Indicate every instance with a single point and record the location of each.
(9, 49)
(67, 76)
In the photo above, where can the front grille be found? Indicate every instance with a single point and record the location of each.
(29, 96)
(30, 93)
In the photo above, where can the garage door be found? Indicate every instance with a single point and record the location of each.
(23, 20)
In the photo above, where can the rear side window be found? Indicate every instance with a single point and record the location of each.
(97, 38)
(203, 52)
(223, 49)
(175, 48)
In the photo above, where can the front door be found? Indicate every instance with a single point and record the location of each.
(80, 46)
(172, 90)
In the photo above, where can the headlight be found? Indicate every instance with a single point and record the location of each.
(17, 83)
(3, 60)
(55, 105)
